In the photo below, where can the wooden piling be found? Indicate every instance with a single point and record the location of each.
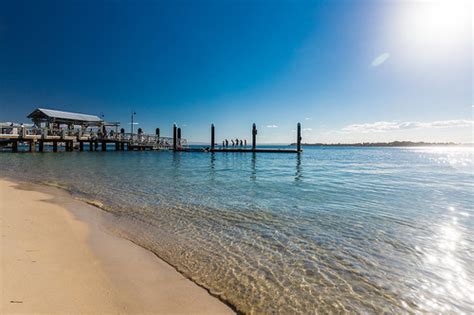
(41, 146)
(174, 137)
(14, 146)
(254, 137)
(122, 146)
(91, 146)
(96, 145)
(81, 146)
(55, 146)
(117, 146)
(104, 146)
(32, 146)
(298, 137)
(213, 136)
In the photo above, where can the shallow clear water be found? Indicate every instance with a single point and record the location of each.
(334, 229)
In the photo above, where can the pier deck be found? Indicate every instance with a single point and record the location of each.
(257, 150)
(241, 150)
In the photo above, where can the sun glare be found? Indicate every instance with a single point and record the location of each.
(430, 29)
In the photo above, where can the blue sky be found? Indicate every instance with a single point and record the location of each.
(347, 70)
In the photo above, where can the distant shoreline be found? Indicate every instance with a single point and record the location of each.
(385, 144)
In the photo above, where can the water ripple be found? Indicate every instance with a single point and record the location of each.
(361, 230)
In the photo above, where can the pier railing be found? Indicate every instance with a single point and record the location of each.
(29, 133)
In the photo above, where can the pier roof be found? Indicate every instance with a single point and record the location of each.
(51, 115)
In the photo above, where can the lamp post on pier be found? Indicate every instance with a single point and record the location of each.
(131, 124)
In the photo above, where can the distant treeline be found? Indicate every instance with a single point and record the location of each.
(380, 144)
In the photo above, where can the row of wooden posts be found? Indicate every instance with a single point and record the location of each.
(177, 138)
(69, 145)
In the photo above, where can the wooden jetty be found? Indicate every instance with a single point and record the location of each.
(253, 148)
(54, 129)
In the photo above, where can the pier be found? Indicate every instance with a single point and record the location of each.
(40, 140)
(253, 148)
(56, 131)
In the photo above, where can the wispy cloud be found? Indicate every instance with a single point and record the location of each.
(308, 118)
(383, 126)
(379, 60)
(272, 126)
(307, 129)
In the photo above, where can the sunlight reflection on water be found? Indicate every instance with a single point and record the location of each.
(445, 260)
(457, 157)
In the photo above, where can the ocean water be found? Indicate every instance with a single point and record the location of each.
(366, 230)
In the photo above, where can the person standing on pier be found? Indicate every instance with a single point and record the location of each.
(245, 142)
(232, 142)
(226, 143)
(223, 144)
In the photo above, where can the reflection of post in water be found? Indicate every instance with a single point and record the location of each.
(176, 161)
(253, 175)
(213, 165)
(298, 174)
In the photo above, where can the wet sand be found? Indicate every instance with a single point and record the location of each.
(57, 257)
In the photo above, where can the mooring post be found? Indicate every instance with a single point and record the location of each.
(91, 146)
(254, 137)
(81, 146)
(298, 137)
(174, 137)
(213, 136)
(55, 146)
(41, 146)
(32, 146)
(104, 146)
(179, 138)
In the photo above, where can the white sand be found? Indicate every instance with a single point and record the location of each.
(54, 260)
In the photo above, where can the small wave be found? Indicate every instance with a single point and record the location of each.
(55, 185)
(93, 202)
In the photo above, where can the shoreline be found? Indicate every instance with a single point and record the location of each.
(57, 256)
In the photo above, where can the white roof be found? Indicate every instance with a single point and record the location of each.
(68, 115)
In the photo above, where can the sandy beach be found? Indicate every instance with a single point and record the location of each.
(57, 258)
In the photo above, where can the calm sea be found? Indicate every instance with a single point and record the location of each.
(366, 230)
